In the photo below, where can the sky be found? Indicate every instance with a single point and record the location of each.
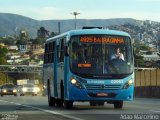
(88, 9)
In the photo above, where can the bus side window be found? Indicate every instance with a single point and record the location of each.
(51, 54)
(46, 54)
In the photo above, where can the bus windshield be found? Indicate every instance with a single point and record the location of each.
(101, 56)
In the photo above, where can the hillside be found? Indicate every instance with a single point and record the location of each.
(9, 23)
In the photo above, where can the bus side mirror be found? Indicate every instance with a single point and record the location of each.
(66, 51)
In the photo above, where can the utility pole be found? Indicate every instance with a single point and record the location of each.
(59, 27)
(75, 14)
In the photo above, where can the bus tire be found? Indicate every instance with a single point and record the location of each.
(118, 104)
(51, 100)
(92, 103)
(68, 104)
(100, 103)
(59, 102)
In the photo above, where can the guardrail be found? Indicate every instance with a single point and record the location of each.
(147, 83)
(20, 68)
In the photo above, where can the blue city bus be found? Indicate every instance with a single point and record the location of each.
(79, 66)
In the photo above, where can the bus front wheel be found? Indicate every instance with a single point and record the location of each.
(101, 103)
(94, 103)
(68, 104)
(118, 104)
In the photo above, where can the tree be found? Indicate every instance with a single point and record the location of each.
(138, 61)
(42, 33)
(38, 41)
(5, 78)
(9, 40)
(3, 52)
(144, 47)
(53, 34)
(2, 78)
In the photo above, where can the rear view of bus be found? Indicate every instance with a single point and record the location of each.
(98, 68)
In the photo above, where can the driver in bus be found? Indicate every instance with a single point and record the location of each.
(117, 55)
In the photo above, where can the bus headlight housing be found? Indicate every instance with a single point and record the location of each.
(128, 84)
(76, 83)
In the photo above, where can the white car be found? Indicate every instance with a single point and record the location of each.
(29, 89)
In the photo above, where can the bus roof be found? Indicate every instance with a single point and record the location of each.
(90, 32)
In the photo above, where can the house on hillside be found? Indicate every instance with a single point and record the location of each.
(28, 46)
(12, 48)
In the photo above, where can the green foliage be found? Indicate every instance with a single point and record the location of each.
(149, 53)
(138, 47)
(42, 33)
(136, 50)
(39, 41)
(53, 34)
(9, 41)
(3, 52)
(3, 61)
(144, 47)
(4, 78)
(138, 61)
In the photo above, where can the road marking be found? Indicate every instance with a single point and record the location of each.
(46, 111)
(157, 111)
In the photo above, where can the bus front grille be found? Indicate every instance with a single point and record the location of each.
(102, 87)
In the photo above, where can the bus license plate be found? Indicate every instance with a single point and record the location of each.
(102, 94)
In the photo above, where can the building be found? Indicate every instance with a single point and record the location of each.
(12, 48)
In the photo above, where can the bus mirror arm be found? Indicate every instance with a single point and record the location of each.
(66, 51)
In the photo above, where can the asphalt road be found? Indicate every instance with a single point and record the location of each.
(36, 108)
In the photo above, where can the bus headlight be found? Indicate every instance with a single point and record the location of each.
(76, 83)
(128, 84)
(73, 81)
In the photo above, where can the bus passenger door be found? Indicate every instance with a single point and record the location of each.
(60, 67)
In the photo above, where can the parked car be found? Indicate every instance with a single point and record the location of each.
(8, 89)
(29, 89)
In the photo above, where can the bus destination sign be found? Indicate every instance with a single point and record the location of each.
(93, 39)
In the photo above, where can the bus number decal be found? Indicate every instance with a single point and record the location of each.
(116, 81)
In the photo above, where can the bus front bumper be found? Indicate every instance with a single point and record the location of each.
(76, 94)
